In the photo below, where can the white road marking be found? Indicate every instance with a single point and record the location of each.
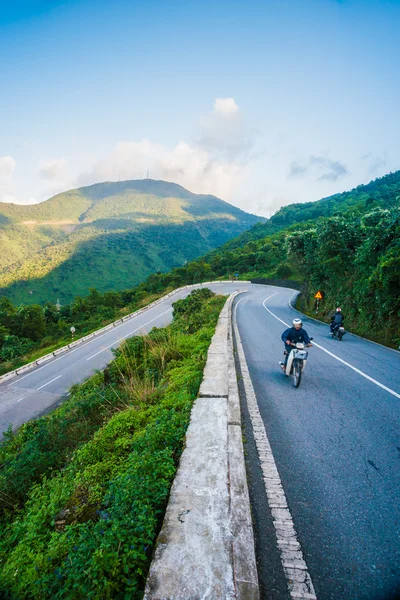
(74, 350)
(384, 387)
(20, 399)
(294, 566)
(48, 383)
(290, 301)
(129, 334)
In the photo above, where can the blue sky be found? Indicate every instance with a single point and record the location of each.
(262, 103)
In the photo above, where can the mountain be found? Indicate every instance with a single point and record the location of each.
(347, 245)
(108, 236)
(383, 192)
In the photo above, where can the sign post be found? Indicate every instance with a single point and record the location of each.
(318, 296)
(72, 331)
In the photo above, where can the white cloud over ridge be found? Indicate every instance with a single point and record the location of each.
(215, 164)
(224, 157)
(7, 199)
(187, 165)
(7, 168)
(54, 170)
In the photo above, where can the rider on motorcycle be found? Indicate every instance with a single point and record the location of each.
(293, 335)
(336, 320)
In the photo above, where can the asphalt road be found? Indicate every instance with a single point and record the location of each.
(35, 392)
(336, 443)
(335, 439)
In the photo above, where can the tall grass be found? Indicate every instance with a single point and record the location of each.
(94, 476)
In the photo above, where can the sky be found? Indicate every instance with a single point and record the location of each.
(262, 103)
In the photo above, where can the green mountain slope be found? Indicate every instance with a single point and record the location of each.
(108, 236)
(348, 246)
(350, 250)
(383, 192)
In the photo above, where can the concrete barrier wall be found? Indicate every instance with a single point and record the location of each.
(57, 352)
(84, 339)
(206, 545)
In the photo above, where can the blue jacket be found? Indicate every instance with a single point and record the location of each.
(338, 318)
(295, 335)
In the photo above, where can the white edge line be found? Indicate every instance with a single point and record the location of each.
(48, 383)
(291, 554)
(360, 337)
(69, 352)
(129, 334)
(384, 387)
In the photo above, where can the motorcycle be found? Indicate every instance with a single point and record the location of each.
(296, 362)
(338, 332)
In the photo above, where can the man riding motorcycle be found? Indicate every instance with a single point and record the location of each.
(336, 320)
(293, 335)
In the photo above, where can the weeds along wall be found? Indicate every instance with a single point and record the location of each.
(83, 490)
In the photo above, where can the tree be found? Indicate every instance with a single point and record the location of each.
(30, 322)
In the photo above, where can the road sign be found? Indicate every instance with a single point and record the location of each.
(72, 330)
(318, 295)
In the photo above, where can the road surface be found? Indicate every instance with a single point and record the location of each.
(335, 440)
(336, 444)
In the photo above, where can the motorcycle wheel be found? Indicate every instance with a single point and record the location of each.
(297, 370)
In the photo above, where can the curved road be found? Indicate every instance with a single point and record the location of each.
(336, 444)
(30, 395)
(335, 440)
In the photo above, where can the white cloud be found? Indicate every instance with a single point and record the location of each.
(8, 199)
(224, 133)
(54, 170)
(217, 163)
(7, 168)
(226, 107)
(189, 165)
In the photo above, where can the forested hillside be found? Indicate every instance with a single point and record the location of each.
(351, 254)
(83, 490)
(348, 246)
(108, 236)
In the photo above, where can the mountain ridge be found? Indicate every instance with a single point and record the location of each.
(47, 247)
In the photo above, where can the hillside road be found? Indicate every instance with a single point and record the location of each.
(336, 444)
(335, 439)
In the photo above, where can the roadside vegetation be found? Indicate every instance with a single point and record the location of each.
(83, 490)
(347, 246)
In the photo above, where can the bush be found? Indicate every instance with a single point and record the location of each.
(14, 346)
(91, 511)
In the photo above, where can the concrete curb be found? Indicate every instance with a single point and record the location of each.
(47, 357)
(205, 549)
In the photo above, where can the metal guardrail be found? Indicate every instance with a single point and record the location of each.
(82, 340)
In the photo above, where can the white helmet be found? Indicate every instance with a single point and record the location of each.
(297, 322)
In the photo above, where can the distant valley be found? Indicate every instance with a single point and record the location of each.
(108, 236)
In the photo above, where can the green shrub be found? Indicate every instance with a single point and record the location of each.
(86, 526)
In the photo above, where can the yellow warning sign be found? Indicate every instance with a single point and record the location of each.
(318, 295)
